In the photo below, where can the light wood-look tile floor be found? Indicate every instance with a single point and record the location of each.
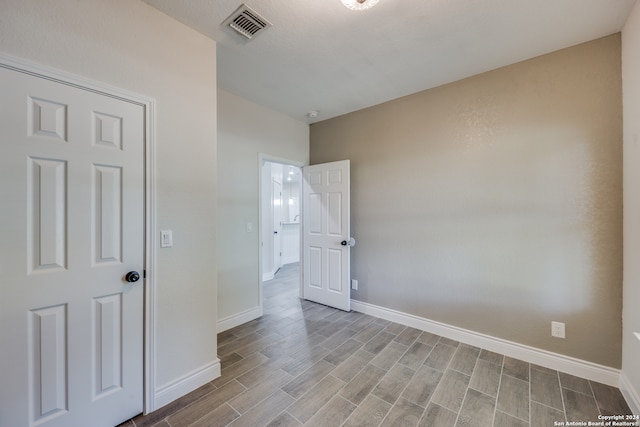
(306, 364)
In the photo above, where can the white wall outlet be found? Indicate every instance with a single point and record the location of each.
(354, 284)
(166, 238)
(557, 330)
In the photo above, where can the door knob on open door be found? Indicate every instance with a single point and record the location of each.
(132, 276)
(350, 242)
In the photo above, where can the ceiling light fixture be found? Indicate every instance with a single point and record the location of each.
(359, 4)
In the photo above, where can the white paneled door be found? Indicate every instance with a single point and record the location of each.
(326, 229)
(72, 227)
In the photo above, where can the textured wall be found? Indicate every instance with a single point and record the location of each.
(495, 203)
(631, 91)
(129, 44)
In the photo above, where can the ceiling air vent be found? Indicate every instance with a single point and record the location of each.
(247, 22)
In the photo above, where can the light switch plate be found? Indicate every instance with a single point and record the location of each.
(166, 238)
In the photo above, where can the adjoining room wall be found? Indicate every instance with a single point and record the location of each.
(494, 203)
(246, 130)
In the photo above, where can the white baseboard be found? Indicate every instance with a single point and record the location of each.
(268, 276)
(630, 394)
(178, 388)
(290, 260)
(559, 362)
(238, 319)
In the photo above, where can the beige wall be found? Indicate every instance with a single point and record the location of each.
(631, 91)
(246, 129)
(130, 45)
(494, 203)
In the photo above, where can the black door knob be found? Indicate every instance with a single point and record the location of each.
(132, 276)
(343, 243)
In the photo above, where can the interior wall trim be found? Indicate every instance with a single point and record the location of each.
(187, 383)
(268, 276)
(238, 319)
(630, 394)
(570, 365)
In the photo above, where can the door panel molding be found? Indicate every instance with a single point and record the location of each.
(325, 233)
(46, 121)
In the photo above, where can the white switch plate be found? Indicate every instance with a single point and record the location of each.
(166, 238)
(354, 284)
(249, 227)
(637, 335)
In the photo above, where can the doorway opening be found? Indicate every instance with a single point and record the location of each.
(321, 201)
(280, 218)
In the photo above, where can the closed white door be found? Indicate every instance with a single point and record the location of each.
(326, 234)
(277, 225)
(72, 227)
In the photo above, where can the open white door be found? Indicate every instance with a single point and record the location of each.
(71, 318)
(326, 234)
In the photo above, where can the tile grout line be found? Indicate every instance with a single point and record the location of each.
(564, 406)
(272, 419)
(495, 410)
(421, 365)
(405, 386)
(389, 370)
(466, 391)
(346, 327)
(439, 383)
(294, 417)
(295, 400)
(594, 398)
(530, 394)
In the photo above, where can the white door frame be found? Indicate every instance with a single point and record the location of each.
(277, 238)
(149, 105)
(262, 159)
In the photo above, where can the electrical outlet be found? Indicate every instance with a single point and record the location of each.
(354, 284)
(557, 330)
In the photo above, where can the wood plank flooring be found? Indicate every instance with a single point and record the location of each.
(307, 364)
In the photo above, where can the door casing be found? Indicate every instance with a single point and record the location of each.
(277, 225)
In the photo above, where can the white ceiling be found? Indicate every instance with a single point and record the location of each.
(318, 55)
